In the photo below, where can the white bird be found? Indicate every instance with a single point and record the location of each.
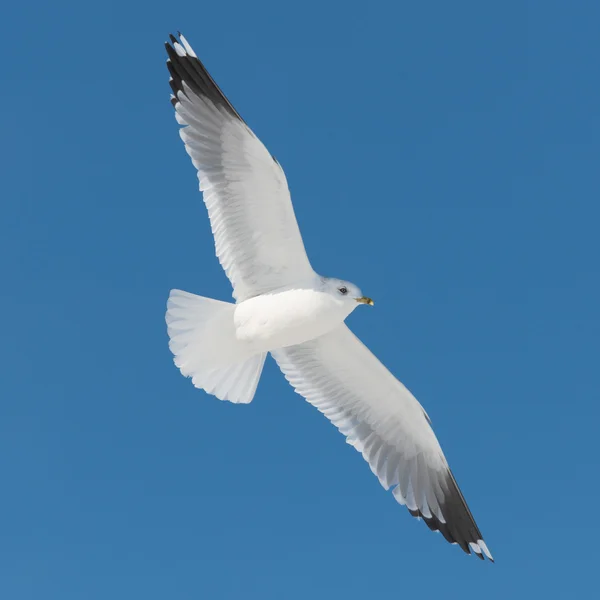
(283, 307)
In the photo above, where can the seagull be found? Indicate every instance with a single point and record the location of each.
(284, 307)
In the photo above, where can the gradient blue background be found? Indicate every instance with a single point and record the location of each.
(443, 155)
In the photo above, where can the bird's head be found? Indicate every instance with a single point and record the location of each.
(346, 292)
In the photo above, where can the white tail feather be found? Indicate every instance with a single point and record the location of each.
(202, 338)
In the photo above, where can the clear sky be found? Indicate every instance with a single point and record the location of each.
(442, 155)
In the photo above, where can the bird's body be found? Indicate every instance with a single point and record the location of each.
(290, 316)
(284, 308)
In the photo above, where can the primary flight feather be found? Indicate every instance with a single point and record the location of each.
(283, 307)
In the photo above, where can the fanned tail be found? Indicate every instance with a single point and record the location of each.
(205, 347)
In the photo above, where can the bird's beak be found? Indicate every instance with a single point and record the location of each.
(365, 300)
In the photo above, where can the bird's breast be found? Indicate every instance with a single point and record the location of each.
(286, 318)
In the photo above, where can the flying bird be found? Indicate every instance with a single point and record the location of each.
(284, 307)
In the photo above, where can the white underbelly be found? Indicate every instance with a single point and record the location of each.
(286, 318)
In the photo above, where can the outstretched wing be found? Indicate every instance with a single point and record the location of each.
(256, 235)
(339, 375)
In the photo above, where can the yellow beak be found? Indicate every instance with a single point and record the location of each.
(365, 300)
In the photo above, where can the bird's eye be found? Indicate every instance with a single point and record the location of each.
(343, 290)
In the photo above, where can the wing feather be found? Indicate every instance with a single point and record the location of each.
(338, 375)
(257, 239)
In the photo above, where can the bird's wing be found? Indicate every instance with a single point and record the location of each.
(256, 235)
(339, 375)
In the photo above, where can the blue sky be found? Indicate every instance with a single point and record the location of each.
(443, 156)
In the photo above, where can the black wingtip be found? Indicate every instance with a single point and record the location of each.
(189, 69)
(458, 525)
